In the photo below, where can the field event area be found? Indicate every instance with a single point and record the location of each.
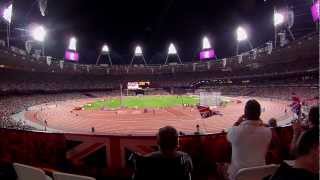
(143, 102)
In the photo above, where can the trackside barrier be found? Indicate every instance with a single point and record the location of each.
(101, 155)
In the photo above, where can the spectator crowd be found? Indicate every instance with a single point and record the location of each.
(249, 139)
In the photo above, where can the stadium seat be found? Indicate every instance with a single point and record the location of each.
(25, 172)
(66, 176)
(256, 173)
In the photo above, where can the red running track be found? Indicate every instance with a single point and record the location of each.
(61, 116)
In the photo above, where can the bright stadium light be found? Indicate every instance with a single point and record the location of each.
(105, 49)
(278, 19)
(138, 54)
(172, 49)
(206, 43)
(105, 52)
(7, 13)
(39, 33)
(73, 44)
(138, 51)
(172, 52)
(241, 34)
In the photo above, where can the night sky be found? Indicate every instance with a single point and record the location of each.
(153, 24)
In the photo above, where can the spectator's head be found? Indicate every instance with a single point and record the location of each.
(313, 119)
(307, 152)
(252, 110)
(272, 123)
(167, 138)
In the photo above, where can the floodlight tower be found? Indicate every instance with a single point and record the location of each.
(39, 33)
(105, 51)
(205, 43)
(172, 51)
(207, 51)
(71, 53)
(7, 16)
(278, 19)
(72, 44)
(138, 53)
(242, 35)
(283, 19)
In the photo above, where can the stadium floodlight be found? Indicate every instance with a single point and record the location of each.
(105, 52)
(138, 54)
(172, 49)
(105, 49)
(278, 19)
(138, 51)
(39, 33)
(7, 13)
(73, 44)
(206, 43)
(241, 34)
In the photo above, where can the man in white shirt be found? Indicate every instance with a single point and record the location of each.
(249, 139)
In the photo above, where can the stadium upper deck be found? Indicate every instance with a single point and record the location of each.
(30, 73)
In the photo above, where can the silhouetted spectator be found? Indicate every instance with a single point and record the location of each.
(272, 123)
(198, 130)
(167, 163)
(300, 127)
(306, 165)
(249, 139)
(313, 117)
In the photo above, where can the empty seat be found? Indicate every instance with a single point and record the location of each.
(256, 173)
(25, 172)
(66, 176)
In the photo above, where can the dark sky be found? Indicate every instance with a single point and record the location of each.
(153, 24)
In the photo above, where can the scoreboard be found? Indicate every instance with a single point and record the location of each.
(138, 85)
(207, 54)
(71, 56)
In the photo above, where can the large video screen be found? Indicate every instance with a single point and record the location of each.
(315, 11)
(133, 85)
(207, 54)
(71, 56)
(138, 85)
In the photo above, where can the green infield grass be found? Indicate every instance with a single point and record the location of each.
(143, 102)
